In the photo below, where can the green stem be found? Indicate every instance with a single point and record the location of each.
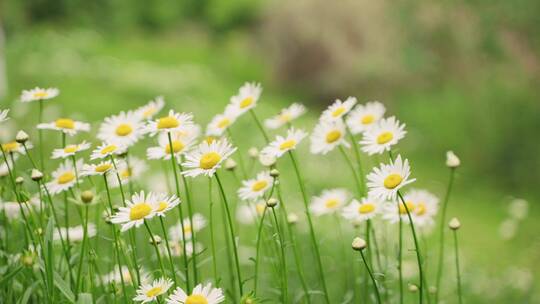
(400, 258)
(284, 283)
(40, 134)
(155, 245)
(193, 233)
(441, 234)
(258, 253)
(213, 243)
(458, 274)
(371, 276)
(240, 158)
(356, 150)
(83, 249)
(168, 249)
(351, 166)
(259, 125)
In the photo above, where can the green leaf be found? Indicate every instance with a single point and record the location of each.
(10, 275)
(63, 287)
(26, 296)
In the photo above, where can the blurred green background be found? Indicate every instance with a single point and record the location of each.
(463, 75)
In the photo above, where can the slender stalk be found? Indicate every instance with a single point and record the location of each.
(240, 158)
(371, 276)
(258, 252)
(458, 273)
(83, 249)
(212, 240)
(310, 222)
(351, 166)
(168, 249)
(193, 232)
(284, 283)
(231, 231)
(366, 286)
(400, 258)
(356, 150)
(40, 134)
(259, 125)
(442, 223)
(155, 245)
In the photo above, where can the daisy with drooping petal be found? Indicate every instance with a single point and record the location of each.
(328, 135)
(281, 144)
(66, 125)
(150, 109)
(4, 115)
(15, 147)
(200, 295)
(219, 124)
(149, 292)
(70, 150)
(329, 201)
(75, 233)
(247, 98)
(106, 150)
(385, 181)
(165, 203)
(365, 116)
(181, 142)
(368, 208)
(171, 123)
(99, 169)
(256, 187)
(140, 208)
(64, 177)
(124, 129)
(39, 94)
(382, 136)
(199, 222)
(127, 173)
(285, 116)
(207, 158)
(338, 109)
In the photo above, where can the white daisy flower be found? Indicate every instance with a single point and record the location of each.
(207, 158)
(124, 129)
(181, 142)
(177, 248)
(338, 109)
(328, 135)
(285, 116)
(165, 203)
(422, 205)
(219, 124)
(136, 168)
(150, 109)
(330, 201)
(247, 214)
(140, 208)
(149, 292)
(64, 177)
(39, 94)
(281, 144)
(357, 212)
(66, 125)
(199, 222)
(70, 150)
(247, 97)
(171, 123)
(385, 181)
(200, 295)
(363, 117)
(11, 209)
(99, 169)
(4, 115)
(15, 147)
(382, 136)
(106, 150)
(256, 187)
(76, 233)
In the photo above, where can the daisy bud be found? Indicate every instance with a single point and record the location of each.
(27, 259)
(292, 218)
(358, 244)
(21, 137)
(253, 152)
(157, 239)
(230, 164)
(248, 300)
(87, 196)
(452, 161)
(36, 175)
(413, 288)
(274, 173)
(19, 180)
(272, 202)
(267, 160)
(454, 224)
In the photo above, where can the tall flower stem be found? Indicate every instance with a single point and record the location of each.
(83, 249)
(400, 258)
(356, 150)
(116, 241)
(371, 276)
(259, 125)
(310, 223)
(193, 233)
(258, 252)
(156, 247)
(440, 262)
(212, 237)
(161, 222)
(240, 158)
(458, 274)
(40, 134)
(284, 271)
(231, 231)
(180, 213)
(417, 249)
(351, 166)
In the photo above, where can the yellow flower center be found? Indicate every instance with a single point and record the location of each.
(65, 178)
(333, 136)
(71, 149)
(149, 112)
(331, 203)
(168, 122)
(187, 228)
(338, 111)
(156, 291)
(285, 117)
(367, 119)
(225, 122)
(288, 144)
(366, 208)
(162, 206)
(384, 137)
(40, 94)
(108, 149)
(209, 160)
(259, 185)
(125, 174)
(177, 146)
(196, 299)
(139, 211)
(65, 123)
(123, 130)
(392, 181)
(403, 210)
(260, 208)
(11, 146)
(420, 209)
(246, 102)
(103, 168)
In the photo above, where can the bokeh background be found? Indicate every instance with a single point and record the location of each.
(463, 75)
